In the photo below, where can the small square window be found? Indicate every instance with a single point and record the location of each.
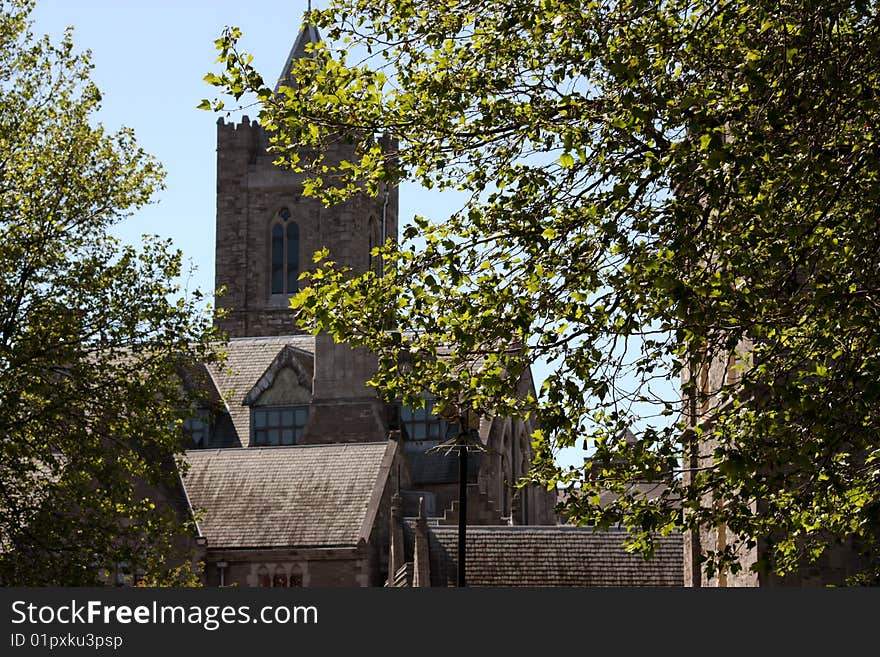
(279, 425)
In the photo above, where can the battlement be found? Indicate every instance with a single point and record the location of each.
(245, 135)
(244, 124)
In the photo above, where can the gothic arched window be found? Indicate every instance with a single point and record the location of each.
(263, 578)
(285, 254)
(280, 578)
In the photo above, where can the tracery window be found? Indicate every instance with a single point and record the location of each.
(285, 254)
(263, 579)
(198, 427)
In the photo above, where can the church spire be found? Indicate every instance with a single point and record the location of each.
(307, 34)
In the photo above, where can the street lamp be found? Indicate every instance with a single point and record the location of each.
(465, 440)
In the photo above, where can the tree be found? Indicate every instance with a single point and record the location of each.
(94, 336)
(652, 189)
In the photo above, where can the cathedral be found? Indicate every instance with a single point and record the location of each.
(300, 475)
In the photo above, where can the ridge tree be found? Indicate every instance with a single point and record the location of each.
(96, 338)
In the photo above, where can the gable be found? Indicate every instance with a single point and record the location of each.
(287, 380)
(286, 390)
(251, 367)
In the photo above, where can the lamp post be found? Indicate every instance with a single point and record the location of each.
(464, 441)
(462, 512)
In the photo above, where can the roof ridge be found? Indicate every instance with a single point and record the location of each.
(259, 449)
(542, 528)
(271, 338)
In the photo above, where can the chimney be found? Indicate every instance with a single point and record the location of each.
(344, 409)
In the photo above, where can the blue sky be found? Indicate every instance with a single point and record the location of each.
(150, 58)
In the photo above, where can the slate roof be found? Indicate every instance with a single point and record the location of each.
(300, 496)
(247, 360)
(550, 556)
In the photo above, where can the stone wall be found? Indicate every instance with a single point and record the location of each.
(330, 567)
(832, 568)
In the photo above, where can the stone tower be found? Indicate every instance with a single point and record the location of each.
(267, 231)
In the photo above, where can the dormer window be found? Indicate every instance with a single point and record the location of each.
(285, 254)
(198, 427)
(209, 428)
(279, 425)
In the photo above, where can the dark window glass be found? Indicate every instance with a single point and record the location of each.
(277, 259)
(285, 254)
(292, 257)
(198, 428)
(279, 425)
(422, 424)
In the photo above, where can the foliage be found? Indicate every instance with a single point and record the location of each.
(653, 190)
(94, 335)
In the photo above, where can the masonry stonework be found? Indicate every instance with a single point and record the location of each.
(251, 191)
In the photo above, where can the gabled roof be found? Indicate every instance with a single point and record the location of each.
(307, 34)
(547, 556)
(300, 361)
(248, 359)
(288, 497)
